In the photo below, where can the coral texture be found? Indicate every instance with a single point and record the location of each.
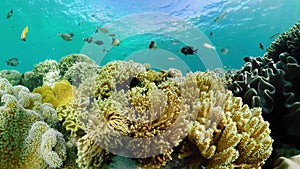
(228, 134)
(21, 120)
(66, 62)
(13, 76)
(271, 82)
(130, 109)
(62, 93)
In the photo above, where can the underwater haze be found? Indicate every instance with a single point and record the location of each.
(245, 25)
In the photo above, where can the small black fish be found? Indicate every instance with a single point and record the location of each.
(188, 50)
(152, 45)
(12, 62)
(261, 46)
(211, 34)
(9, 14)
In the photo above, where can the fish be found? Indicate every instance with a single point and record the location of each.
(24, 33)
(188, 50)
(88, 40)
(219, 18)
(273, 36)
(13, 62)
(101, 29)
(211, 34)
(152, 45)
(209, 46)
(115, 42)
(99, 42)
(111, 34)
(66, 36)
(261, 46)
(9, 14)
(224, 51)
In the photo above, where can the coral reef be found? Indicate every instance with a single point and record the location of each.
(30, 81)
(46, 73)
(22, 129)
(130, 109)
(13, 76)
(228, 134)
(286, 42)
(79, 71)
(271, 82)
(66, 62)
(62, 93)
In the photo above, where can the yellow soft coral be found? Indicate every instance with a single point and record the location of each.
(60, 94)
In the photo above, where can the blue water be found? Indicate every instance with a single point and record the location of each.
(248, 23)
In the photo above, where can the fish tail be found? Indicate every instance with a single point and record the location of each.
(7, 63)
(196, 50)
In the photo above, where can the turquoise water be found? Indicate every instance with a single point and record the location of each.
(248, 23)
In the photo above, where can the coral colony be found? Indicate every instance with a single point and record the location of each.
(75, 114)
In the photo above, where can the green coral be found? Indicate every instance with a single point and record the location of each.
(68, 61)
(45, 72)
(13, 76)
(79, 71)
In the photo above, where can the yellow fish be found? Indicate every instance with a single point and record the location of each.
(24, 33)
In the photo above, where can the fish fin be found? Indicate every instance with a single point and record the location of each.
(7, 62)
(196, 50)
(71, 34)
(23, 40)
